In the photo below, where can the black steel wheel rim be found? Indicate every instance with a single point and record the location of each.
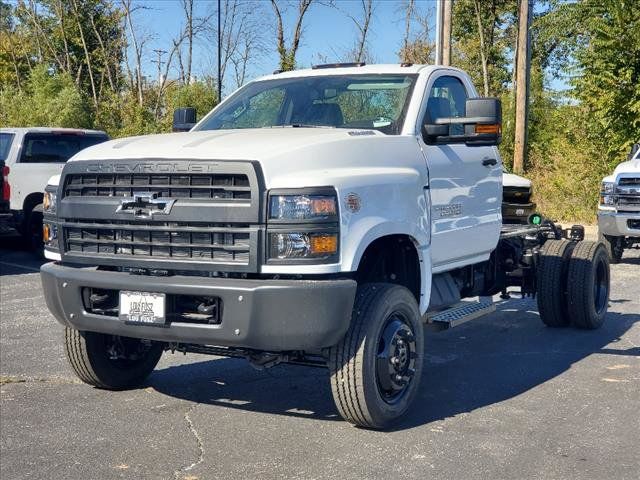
(601, 286)
(396, 358)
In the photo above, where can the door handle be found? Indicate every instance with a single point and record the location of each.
(487, 162)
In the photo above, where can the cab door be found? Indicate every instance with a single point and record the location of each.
(465, 182)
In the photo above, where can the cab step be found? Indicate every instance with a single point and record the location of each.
(461, 313)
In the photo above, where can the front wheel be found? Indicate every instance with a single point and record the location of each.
(110, 361)
(376, 368)
(614, 246)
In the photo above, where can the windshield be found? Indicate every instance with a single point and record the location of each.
(341, 101)
(5, 145)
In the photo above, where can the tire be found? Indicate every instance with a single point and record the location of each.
(32, 231)
(588, 285)
(385, 339)
(89, 356)
(614, 247)
(551, 282)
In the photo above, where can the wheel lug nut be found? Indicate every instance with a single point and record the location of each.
(395, 360)
(398, 378)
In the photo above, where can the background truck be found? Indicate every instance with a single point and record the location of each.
(29, 157)
(317, 217)
(619, 207)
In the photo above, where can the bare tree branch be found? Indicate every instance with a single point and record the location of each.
(288, 54)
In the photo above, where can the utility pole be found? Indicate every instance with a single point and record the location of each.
(219, 56)
(446, 32)
(439, 32)
(523, 66)
(159, 62)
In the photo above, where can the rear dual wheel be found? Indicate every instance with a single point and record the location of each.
(573, 284)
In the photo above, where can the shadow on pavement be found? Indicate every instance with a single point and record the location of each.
(476, 365)
(630, 261)
(16, 258)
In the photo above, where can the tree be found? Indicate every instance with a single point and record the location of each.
(362, 23)
(483, 36)
(288, 53)
(46, 99)
(416, 48)
(242, 34)
(609, 64)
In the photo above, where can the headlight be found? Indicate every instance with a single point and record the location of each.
(295, 245)
(49, 202)
(303, 226)
(608, 188)
(303, 207)
(607, 200)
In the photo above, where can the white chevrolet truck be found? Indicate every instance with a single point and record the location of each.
(317, 217)
(619, 208)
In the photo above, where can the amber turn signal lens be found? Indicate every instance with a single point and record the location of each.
(323, 206)
(494, 128)
(46, 233)
(327, 244)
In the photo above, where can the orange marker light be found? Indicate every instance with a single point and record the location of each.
(494, 128)
(323, 206)
(326, 244)
(46, 233)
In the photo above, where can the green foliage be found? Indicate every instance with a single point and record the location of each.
(200, 95)
(609, 83)
(49, 100)
(497, 18)
(564, 169)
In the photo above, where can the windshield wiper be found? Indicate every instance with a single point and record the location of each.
(302, 125)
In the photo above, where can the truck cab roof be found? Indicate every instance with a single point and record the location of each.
(80, 131)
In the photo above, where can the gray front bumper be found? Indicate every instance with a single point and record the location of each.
(273, 315)
(616, 224)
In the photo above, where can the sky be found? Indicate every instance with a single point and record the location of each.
(328, 34)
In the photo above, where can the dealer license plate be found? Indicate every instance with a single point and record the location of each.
(142, 307)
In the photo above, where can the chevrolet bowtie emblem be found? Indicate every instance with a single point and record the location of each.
(145, 205)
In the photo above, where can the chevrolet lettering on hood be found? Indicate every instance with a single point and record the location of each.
(148, 167)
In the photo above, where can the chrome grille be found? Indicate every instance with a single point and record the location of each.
(197, 186)
(629, 181)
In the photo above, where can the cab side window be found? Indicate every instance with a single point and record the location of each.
(447, 99)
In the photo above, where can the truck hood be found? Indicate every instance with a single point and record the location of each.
(309, 155)
(513, 180)
(631, 166)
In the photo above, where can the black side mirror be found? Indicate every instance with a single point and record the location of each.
(184, 119)
(634, 149)
(481, 125)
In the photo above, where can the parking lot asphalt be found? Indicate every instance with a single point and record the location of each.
(501, 397)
